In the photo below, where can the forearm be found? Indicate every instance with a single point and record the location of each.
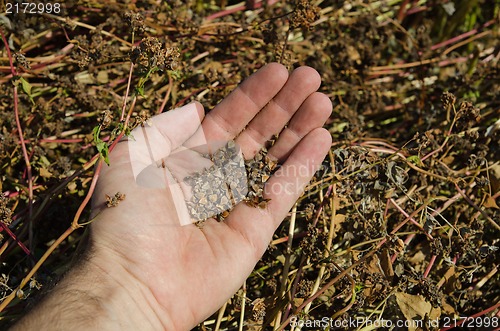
(93, 297)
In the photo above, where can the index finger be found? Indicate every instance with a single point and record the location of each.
(233, 114)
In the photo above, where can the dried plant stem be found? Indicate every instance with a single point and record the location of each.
(220, 315)
(23, 147)
(402, 11)
(26, 279)
(277, 318)
(353, 297)
(285, 45)
(243, 304)
(488, 218)
(494, 197)
(344, 272)
(28, 168)
(67, 20)
(327, 286)
(57, 190)
(323, 200)
(440, 148)
(410, 217)
(333, 281)
(124, 105)
(61, 186)
(383, 303)
(78, 214)
(467, 41)
(352, 266)
(286, 267)
(13, 236)
(127, 120)
(236, 8)
(448, 203)
(9, 55)
(462, 36)
(425, 172)
(379, 69)
(327, 253)
(74, 225)
(167, 95)
(485, 279)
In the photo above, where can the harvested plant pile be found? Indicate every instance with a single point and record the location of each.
(404, 212)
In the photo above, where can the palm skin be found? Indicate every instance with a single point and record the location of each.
(185, 273)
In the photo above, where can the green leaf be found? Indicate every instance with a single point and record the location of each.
(119, 128)
(101, 146)
(415, 159)
(96, 131)
(27, 88)
(140, 85)
(140, 90)
(175, 74)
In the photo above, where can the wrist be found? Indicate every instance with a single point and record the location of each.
(124, 302)
(98, 294)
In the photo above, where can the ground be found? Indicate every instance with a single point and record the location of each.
(402, 221)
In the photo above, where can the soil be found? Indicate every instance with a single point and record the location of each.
(402, 222)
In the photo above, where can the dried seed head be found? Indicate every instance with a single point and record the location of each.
(114, 200)
(218, 189)
(21, 61)
(135, 20)
(304, 15)
(448, 99)
(5, 212)
(152, 54)
(107, 118)
(258, 309)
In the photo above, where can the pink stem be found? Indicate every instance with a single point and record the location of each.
(126, 92)
(406, 242)
(460, 37)
(429, 267)
(167, 95)
(13, 236)
(233, 10)
(21, 138)
(408, 217)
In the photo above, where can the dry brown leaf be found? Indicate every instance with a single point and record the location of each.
(490, 203)
(447, 309)
(298, 301)
(338, 220)
(353, 54)
(449, 280)
(373, 266)
(386, 264)
(414, 307)
(45, 173)
(418, 258)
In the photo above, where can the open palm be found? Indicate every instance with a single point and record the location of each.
(185, 273)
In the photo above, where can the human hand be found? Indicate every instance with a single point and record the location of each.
(159, 274)
(188, 272)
